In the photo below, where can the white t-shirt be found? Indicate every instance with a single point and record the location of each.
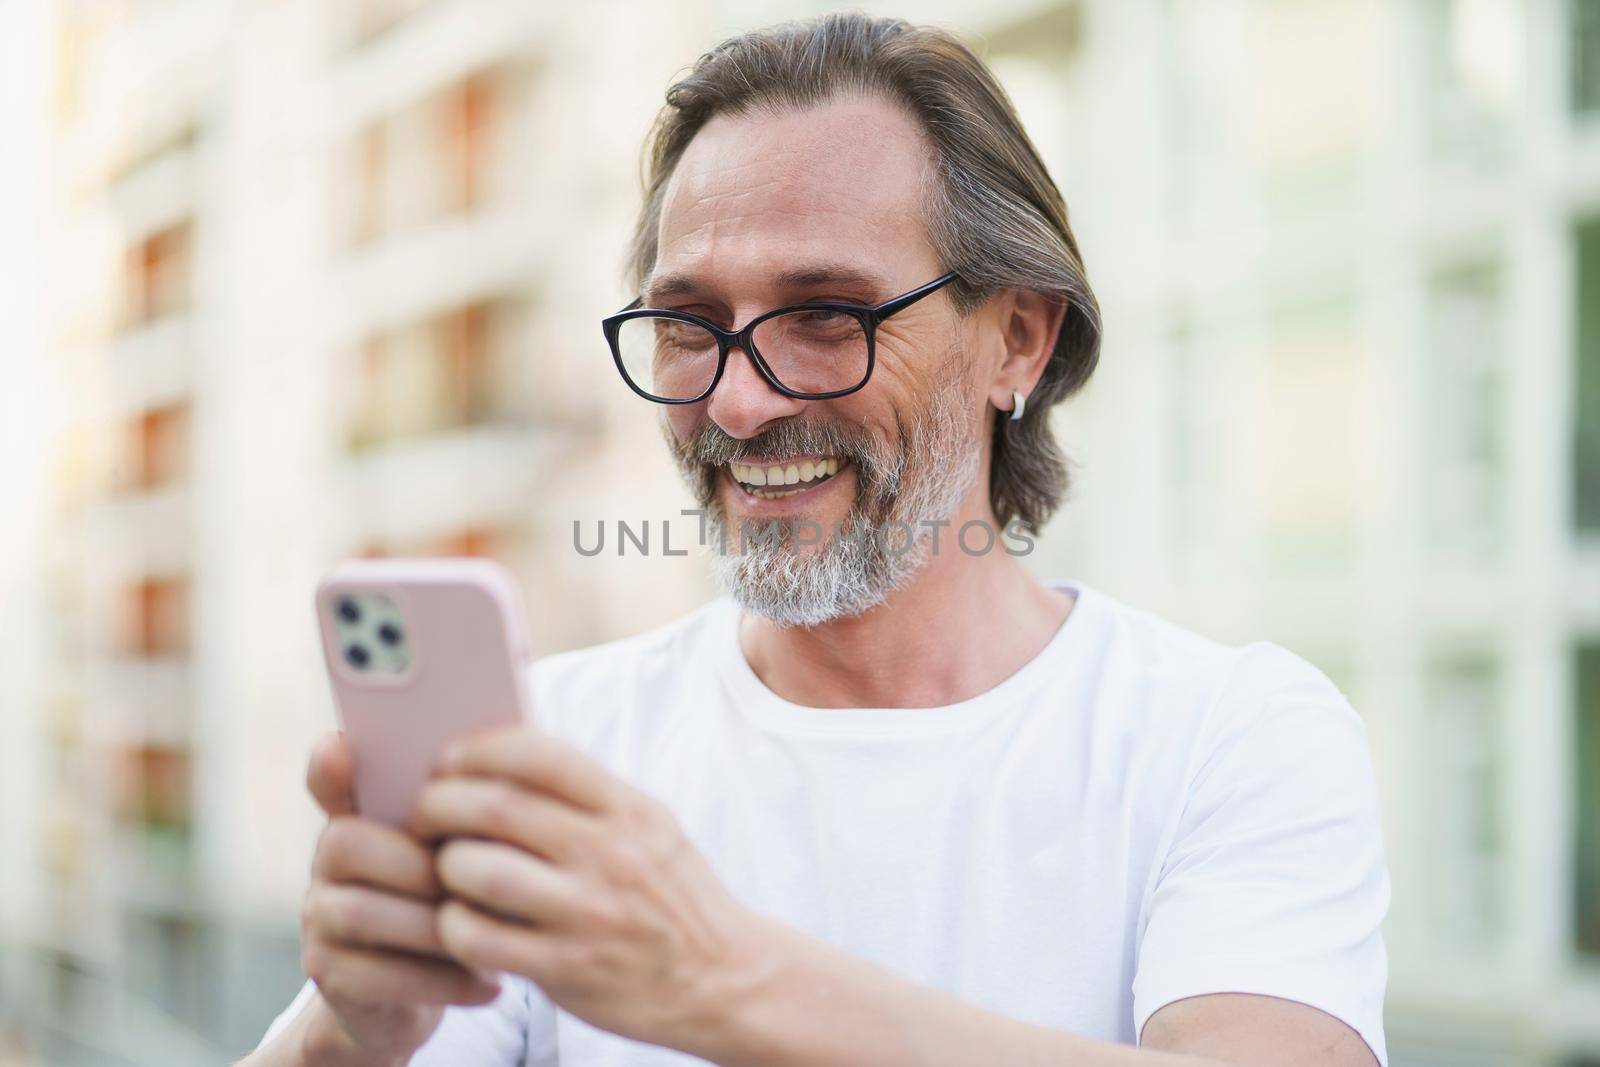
(1137, 815)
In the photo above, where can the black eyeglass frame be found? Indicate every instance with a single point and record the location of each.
(868, 315)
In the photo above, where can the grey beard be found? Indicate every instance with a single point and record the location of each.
(860, 565)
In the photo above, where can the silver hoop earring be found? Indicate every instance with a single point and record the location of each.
(1018, 403)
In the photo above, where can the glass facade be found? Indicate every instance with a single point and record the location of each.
(1465, 446)
(1586, 391)
(1586, 809)
(1585, 36)
(1311, 391)
(1473, 54)
(1463, 816)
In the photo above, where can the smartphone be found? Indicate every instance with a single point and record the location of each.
(419, 652)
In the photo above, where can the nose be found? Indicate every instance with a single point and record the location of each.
(743, 403)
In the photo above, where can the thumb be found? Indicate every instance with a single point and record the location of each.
(330, 775)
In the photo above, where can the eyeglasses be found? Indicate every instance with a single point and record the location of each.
(812, 351)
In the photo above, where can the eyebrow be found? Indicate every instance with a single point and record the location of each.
(794, 278)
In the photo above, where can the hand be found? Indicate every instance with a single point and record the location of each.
(558, 870)
(369, 932)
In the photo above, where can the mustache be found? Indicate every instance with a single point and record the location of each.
(714, 446)
(711, 447)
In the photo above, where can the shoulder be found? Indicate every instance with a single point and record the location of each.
(1161, 648)
(1271, 691)
(1195, 696)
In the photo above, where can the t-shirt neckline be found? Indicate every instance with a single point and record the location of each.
(760, 704)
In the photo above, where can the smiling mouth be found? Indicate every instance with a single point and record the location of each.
(772, 481)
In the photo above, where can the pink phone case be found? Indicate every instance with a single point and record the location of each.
(466, 648)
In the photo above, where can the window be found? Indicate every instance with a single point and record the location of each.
(155, 618)
(1586, 859)
(1314, 98)
(467, 373)
(1472, 62)
(1201, 49)
(172, 959)
(155, 449)
(157, 274)
(1196, 429)
(466, 111)
(1312, 393)
(1463, 368)
(473, 541)
(1586, 445)
(1464, 824)
(443, 373)
(368, 213)
(1585, 36)
(155, 789)
(369, 420)
(426, 162)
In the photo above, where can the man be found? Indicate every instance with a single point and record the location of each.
(891, 801)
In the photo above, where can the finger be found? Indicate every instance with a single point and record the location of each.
(510, 882)
(504, 811)
(479, 939)
(372, 976)
(536, 760)
(369, 853)
(368, 918)
(330, 775)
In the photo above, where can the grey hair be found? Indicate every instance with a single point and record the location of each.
(993, 212)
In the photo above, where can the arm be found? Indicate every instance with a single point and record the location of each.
(559, 871)
(769, 1017)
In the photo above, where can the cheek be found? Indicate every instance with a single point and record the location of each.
(683, 419)
(919, 361)
(900, 378)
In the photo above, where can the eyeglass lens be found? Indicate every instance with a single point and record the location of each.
(809, 350)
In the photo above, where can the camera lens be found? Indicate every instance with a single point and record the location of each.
(389, 634)
(349, 611)
(358, 656)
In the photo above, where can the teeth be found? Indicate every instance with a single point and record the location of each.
(790, 474)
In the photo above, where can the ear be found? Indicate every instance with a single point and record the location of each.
(1029, 324)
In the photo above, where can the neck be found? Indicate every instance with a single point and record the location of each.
(963, 625)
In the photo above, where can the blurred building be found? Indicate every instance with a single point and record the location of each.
(317, 280)
(327, 281)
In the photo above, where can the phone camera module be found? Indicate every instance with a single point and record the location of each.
(349, 610)
(358, 656)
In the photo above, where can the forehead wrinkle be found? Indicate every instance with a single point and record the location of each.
(774, 223)
(715, 195)
(695, 251)
(792, 277)
(788, 200)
